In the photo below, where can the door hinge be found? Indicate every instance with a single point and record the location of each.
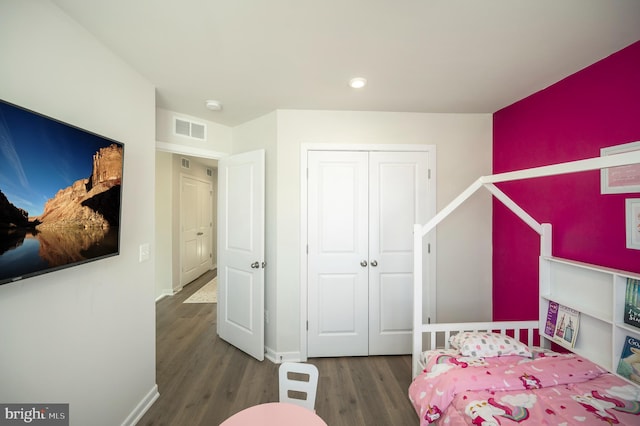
(429, 248)
(429, 320)
(429, 174)
(307, 325)
(307, 248)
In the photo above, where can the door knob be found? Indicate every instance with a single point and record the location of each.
(374, 263)
(363, 263)
(255, 265)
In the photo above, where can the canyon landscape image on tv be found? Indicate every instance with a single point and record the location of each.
(60, 194)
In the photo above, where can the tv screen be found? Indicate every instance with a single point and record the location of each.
(60, 202)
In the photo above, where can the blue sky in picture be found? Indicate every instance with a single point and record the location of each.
(39, 156)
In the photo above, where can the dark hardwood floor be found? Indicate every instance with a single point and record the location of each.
(202, 380)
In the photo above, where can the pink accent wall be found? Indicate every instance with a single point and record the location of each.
(596, 107)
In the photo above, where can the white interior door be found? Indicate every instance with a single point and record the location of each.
(398, 199)
(196, 226)
(337, 241)
(241, 251)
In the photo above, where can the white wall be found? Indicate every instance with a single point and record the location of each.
(85, 335)
(463, 145)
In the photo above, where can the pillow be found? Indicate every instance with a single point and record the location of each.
(483, 344)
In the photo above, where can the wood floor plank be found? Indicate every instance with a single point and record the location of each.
(203, 380)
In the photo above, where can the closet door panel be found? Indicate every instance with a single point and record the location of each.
(398, 184)
(337, 244)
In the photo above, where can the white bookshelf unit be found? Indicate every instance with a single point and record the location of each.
(598, 294)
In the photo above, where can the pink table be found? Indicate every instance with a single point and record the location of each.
(274, 414)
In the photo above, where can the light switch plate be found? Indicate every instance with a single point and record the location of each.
(144, 252)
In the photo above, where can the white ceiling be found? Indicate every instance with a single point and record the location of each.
(256, 56)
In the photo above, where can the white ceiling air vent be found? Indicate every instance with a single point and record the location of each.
(186, 163)
(190, 129)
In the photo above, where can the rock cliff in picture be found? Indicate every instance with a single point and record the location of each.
(91, 202)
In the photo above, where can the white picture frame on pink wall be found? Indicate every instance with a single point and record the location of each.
(621, 179)
(632, 213)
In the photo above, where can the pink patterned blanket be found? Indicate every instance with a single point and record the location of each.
(552, 389)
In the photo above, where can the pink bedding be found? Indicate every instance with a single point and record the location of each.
(552, 389)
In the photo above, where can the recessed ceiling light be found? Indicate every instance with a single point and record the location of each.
(213, 105)
(358, 82)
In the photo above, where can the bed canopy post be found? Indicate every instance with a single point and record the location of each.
(544, 277)
(416, 344)
(545, 240)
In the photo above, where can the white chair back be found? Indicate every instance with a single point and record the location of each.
(298, 383)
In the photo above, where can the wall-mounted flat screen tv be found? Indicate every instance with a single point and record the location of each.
(60, 194)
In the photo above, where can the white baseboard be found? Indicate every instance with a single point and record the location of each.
(280, 357)
(142, 407)
(164, 294)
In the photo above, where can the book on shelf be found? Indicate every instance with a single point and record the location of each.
(552, 316)
(562, 323)
(632, 303)
(629, 364)
(567, 325)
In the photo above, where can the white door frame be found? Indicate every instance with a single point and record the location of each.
(304, 149)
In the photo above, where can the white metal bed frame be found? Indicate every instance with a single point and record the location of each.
(544, 230)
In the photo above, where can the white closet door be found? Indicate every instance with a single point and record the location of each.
(361, 210)
(398, 199)
(337, 239)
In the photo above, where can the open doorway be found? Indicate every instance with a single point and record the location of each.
(175, 211)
